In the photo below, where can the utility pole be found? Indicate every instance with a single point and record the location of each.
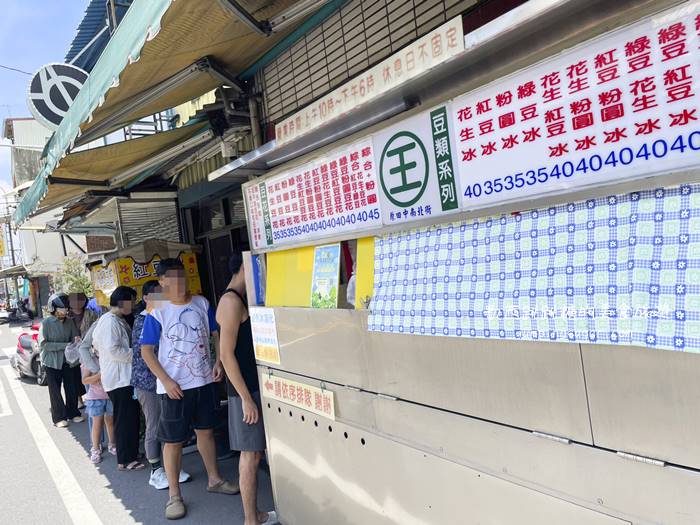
(14, 260)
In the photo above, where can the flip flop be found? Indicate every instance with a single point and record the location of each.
(134, 465)
(271, 519)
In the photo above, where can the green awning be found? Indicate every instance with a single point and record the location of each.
(157, 49)
(141, 22)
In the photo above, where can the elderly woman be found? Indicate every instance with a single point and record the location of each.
(55, 333)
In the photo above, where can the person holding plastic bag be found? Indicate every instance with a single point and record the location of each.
(55, 334)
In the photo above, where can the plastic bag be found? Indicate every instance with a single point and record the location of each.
(72, 353)
(351, 290)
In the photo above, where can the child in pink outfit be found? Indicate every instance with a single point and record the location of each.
(100, 409)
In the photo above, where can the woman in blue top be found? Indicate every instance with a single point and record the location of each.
(144, 383)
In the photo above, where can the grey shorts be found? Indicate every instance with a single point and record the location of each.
(244, 437)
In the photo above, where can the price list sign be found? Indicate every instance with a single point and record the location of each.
(622, 106)
(333, 194)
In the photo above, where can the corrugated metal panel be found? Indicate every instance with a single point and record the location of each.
(198, 171)
(28, 132)
(361, 34)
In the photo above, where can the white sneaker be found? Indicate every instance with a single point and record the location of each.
(158, 479)
(62, 424)
(78, 419)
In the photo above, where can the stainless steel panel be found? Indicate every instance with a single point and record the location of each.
(351, 406)
(645, 401)
(531, 385)
(593, 478)
(526, 384)
(586, 476)
(325, 474)
(328, 344)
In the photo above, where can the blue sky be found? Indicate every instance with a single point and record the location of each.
(32, 33)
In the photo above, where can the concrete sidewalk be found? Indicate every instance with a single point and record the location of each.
(52, 486)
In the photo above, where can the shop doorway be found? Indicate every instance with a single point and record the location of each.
(220, 249)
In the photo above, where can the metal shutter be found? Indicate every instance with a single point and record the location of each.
(361, 34)
(142, 220)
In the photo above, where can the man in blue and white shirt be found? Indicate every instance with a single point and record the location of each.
(181, 325)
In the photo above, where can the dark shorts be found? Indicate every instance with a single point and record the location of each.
(244, 437)
(196, 410)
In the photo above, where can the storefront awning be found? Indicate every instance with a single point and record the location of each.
(14, 271)
(147, 250)
(162, 54)
(107, 168)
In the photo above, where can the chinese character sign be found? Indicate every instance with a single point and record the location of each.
(259, 228)
(416, 169)
(333, 194)
(306, 397)
(264, 329)
(104, 282)
(418, 57)
(128, 272)
(624, 105)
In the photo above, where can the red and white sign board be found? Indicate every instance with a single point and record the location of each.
(418, 57)
(621, 106)
(300, 395)
(333, 194)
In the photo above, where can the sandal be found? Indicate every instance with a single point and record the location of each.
(224, 487)
(134, 465)
(112, 448)
(95, 455)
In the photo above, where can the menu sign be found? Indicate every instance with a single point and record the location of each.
(621, 106)
(333, 194)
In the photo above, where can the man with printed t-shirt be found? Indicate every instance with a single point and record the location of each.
(181, 325)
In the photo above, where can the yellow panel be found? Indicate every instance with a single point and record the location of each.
(289, 277)
(127, 272)
(364, 272)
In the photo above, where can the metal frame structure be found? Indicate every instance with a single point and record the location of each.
(456, 430)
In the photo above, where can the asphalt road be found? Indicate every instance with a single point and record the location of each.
(47, 477)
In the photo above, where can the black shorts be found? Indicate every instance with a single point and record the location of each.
(196, 410)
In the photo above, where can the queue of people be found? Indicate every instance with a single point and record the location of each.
(156, 357)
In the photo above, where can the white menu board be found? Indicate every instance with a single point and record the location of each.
(624, 105)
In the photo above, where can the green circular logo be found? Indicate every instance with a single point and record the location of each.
(403, 169)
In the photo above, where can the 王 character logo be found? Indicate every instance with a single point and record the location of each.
(403, 169)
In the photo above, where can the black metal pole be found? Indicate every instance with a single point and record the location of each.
(14, 261)
(12, 245)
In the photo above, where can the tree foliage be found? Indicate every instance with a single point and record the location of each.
(73, 277)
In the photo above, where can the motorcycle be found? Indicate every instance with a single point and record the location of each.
(26, 360)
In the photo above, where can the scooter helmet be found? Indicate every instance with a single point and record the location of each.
(56, 301)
